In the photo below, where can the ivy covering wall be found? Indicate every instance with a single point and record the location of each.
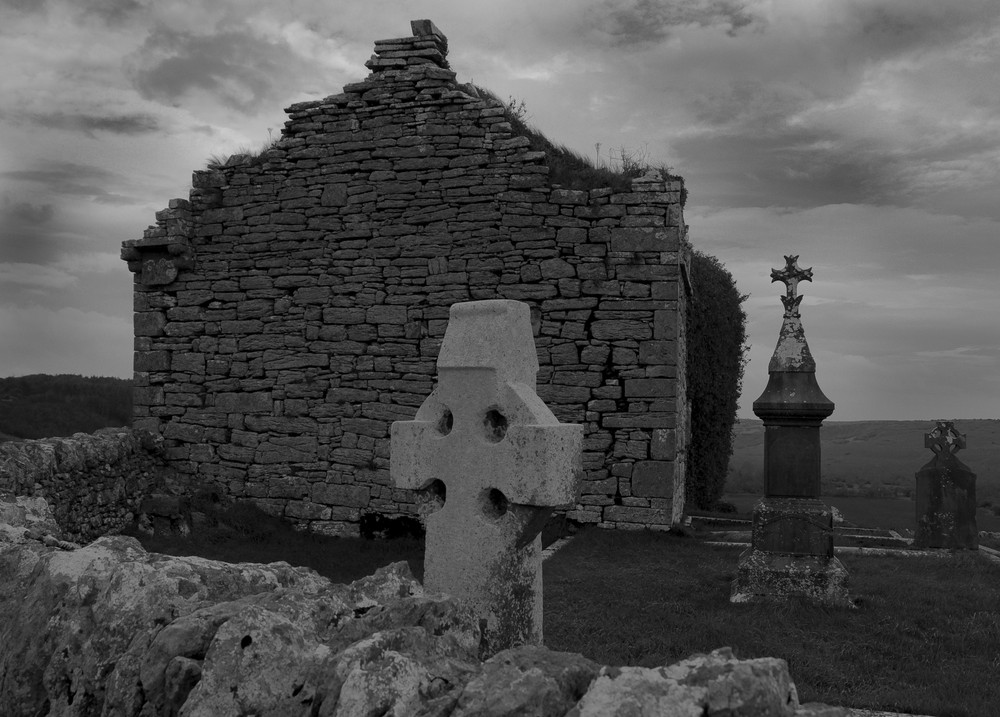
(715, 360)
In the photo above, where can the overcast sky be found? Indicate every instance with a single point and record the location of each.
(862, 135)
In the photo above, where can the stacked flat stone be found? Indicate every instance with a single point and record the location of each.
(93, 482)
(293, 307)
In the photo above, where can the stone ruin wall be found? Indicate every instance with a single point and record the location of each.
(94, 483)
(294, 305)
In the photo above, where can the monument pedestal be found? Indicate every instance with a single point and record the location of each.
(791, 555)
(764, 576)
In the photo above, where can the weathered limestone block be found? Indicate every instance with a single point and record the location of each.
(710, 684)
(111, 629)
(498, 462)
(528, 680)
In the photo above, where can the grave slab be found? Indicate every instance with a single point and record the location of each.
(946, 494)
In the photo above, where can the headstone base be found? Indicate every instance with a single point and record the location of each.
(797, 526)
(775, 577)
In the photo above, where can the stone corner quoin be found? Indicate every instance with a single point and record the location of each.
(293, 306)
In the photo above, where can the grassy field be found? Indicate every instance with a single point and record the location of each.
(923, 638)
(872, 458)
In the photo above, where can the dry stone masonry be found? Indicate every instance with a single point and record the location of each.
(496, 462)
(94, 483)
(293, 307)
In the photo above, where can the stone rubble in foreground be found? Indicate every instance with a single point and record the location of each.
(109, 629)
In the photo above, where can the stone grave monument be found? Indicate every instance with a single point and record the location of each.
(791, 551)
(946, 494)
(493, 462)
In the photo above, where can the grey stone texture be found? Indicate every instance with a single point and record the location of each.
(313, 285)
(94, 483)
(109, 629)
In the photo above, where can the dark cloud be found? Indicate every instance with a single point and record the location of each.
(130, 124)
(27, 232)
(67, 178)
(108, 12)
(26, 6)
(113, 12)
(795, 169)
(889, 27)
(243, 71)
(648, 21)
(26, 212)
(79, 180)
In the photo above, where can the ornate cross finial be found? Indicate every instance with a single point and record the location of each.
(944, 439)
(791, 275)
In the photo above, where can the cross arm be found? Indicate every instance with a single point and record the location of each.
(409, 446)
(543, 457)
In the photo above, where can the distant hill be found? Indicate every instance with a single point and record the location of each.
(872, 458)
(42, 406)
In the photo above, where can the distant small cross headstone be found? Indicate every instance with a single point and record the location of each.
(946, 494)
(493, 462)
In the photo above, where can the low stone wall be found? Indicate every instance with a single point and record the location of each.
(94, 483)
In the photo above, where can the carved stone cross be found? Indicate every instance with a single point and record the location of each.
(494, 461)
(944, 440)
(791, 275)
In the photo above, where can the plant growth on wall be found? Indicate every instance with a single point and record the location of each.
(716, 357)
(572, 170)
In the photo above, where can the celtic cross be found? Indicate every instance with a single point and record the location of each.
(791, 275)
(944, 439)
(494, 461)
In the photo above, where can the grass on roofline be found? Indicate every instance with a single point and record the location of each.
(569, 168)
(924, 639)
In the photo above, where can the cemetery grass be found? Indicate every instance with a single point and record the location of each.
(924, 637)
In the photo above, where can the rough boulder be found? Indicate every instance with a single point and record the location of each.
(109, 629)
